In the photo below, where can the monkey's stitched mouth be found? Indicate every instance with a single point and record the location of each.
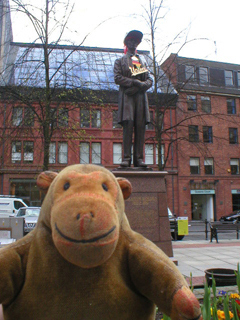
(83, 240)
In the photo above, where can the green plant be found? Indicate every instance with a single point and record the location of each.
(234, 308)
(210, 307)
(215, 300)
(206, 307)
(166, 317)
(226, 307)
(237, 273)
(191, 282)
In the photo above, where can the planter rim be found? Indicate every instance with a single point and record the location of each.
(221, 272)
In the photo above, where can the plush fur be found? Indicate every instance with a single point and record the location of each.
(83, 261)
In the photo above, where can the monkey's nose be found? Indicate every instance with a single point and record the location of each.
(85, 221)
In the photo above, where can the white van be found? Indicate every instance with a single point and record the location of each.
(10, 205)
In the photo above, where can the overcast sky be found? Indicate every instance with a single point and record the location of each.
(215, 22)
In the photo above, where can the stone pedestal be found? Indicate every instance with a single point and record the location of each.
(146, 209)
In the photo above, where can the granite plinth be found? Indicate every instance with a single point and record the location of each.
(146, 209)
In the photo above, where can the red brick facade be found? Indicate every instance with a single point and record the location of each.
(20, 167)
(206, 194)
(203, 174)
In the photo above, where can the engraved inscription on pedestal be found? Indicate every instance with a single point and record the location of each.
(144, 214)
(146, 208)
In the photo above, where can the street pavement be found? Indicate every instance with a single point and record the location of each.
(196, 256)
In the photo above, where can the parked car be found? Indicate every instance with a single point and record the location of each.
(30, 215)
(173, 226)
(232, 217)
(9, 205)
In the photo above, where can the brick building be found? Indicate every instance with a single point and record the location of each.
(208, 118)
(83, 119)
(200, 133)
(80, 116)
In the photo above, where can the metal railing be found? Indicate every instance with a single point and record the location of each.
(200, 230)
(194, 226)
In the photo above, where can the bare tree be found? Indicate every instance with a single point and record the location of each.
(40, 81)
(165, 95)
(153, 13)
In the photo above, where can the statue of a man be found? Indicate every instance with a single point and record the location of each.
(133, 111)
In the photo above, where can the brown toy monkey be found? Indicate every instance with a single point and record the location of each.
(83, 261)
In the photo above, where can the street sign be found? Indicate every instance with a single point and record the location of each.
(182, 226)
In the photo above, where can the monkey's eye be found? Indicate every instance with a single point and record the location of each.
(104, 186)
(66, 186)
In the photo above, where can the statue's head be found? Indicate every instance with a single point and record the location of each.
(133, 38)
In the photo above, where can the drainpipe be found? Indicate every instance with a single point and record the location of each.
(3, 144)
(3, 36)
(172, 153)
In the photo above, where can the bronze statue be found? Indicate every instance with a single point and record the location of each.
(133, 111)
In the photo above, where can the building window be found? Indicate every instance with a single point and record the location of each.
(52, 152)
(16, 151)
(192, 103)
(28, 117)
(234, 164)
(149, 153)
(53, 117)
(231, 106)
(206, 104)
(96, 152)
(96, 118)
(27, 190)
(115, 125)
(208, 165)
(228, 78)
(162, 154)
(85, 118)
(62, 152)
(84, 152)
(238, 75)
(207, 134)
(92, 155)
(16, 156)
(193, 133)
(194, 166)
(233, 135)
(203, 75)
(117, 153)
(190, 73)
(150, 125)
(17, 116)
(63, 117)
(90, 119)
(28, 151)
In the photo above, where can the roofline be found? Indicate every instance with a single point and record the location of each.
(73, 47)
(213, 62)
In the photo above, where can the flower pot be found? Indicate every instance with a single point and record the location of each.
(223, 277)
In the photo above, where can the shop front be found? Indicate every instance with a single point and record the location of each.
(203, 205)
(27, 190)
(235, 199)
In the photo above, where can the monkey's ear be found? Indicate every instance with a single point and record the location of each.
(45, 179)
(126, 187)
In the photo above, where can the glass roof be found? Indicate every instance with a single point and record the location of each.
(72, 67)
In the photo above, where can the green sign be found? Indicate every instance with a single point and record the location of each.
(202, 191)
(236, 191)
